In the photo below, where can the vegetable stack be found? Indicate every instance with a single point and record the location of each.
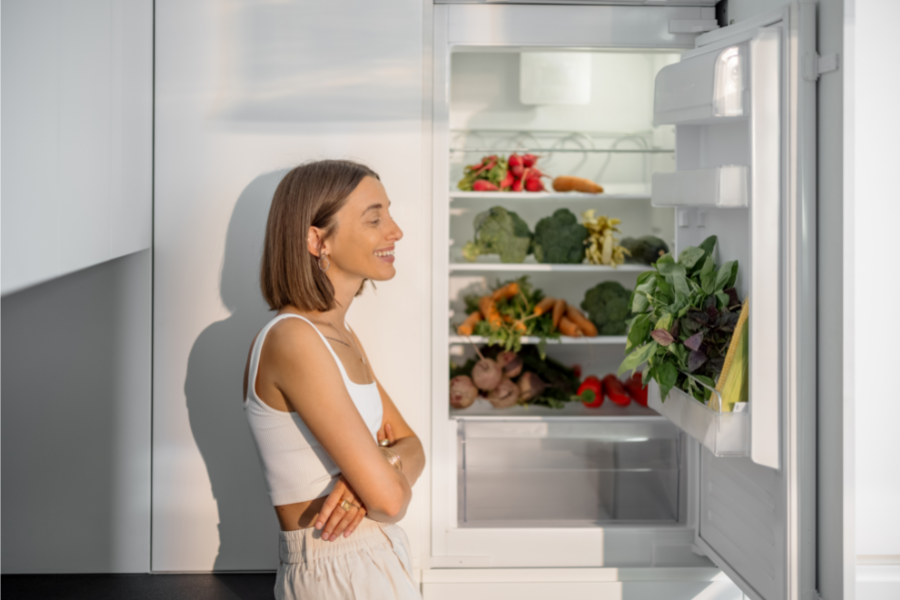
(686, 314)
(497, 174)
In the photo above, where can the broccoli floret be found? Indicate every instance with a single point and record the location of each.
(560, 238)
(606, 305)
(499, 231)
(646, 250)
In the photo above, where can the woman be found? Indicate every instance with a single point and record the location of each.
(339, 460)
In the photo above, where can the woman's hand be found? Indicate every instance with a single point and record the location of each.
(386, 433)
(333, 520)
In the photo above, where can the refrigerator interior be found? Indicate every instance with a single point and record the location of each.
(573, 467)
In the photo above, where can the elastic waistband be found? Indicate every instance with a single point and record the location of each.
(306, 545)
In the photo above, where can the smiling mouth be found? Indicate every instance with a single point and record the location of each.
(384, 253)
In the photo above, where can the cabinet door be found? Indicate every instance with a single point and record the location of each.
(744, 112)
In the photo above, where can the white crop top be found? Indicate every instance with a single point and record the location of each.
(295, 465)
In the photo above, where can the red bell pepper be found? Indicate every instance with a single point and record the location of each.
(635, 388)
(596, 386)
(615, 390)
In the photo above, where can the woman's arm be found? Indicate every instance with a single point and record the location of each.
(404, 440)
(310, 381)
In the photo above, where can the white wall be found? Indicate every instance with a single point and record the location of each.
(77, 135)
(872, 192)
(76, 422)
(245, 90)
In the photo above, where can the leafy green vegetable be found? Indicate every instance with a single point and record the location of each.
(645, 250)
(606, 305)
(495, 174)
(499, 231)
(560, 238)
(685, 312)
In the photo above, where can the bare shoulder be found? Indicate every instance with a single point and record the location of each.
(293, 349)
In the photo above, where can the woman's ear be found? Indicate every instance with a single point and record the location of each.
(314, 240)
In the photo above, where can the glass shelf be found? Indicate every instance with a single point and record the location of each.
(541, 196)
(529, 339)
(540, 267)
(481, 409)
(567, 150)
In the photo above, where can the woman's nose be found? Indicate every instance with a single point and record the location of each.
(396, 233)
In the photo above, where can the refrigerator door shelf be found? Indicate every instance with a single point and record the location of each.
(723, 433)
(723, 187)
(703, 89)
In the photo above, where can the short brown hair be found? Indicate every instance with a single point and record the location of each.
(309, 195)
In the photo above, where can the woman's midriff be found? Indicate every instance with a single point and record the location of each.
(299, 515)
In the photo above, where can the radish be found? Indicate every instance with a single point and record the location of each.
(517, 170)
(504, 395)
(462, 391)
(529, 159)
(487, 374)
(517, 185)
(515, 160)
(533, 185)
(507, 181)
(483, 185)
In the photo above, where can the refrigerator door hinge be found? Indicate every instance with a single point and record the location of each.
(815, 65)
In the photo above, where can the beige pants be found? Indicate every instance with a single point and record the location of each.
(372, 564)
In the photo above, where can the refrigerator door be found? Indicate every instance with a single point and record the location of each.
(744, 110)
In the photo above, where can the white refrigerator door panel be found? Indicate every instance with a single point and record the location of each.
(756, 513)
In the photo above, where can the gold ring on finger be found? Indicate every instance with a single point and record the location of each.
(384, 443)
(346, 504)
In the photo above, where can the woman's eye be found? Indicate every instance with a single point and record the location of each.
(375, 222)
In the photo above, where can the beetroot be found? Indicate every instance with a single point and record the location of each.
(504, 395)
(487, 374)
(462, 391)
(530, 386)
(511, 363)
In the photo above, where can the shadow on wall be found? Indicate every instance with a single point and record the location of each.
(247, 524)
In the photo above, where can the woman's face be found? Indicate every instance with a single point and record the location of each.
(363, 244)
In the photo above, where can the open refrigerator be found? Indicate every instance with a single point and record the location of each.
(691, 134)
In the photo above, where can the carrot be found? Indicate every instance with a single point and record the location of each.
(507, 319)
(567, 327)
(558, 309)
(584, 324)
(506, 292)
(544, 305)
(568, 183)
(468, 326)
(489, 310)
(520, 326)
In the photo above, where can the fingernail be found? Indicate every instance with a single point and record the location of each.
(319, 525)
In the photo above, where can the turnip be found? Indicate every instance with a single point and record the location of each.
(462, 391)
(511, 363)
(487, 374)
(504, 395)
(530, 386)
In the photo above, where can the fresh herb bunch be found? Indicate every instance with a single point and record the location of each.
(686, 312)
(562, 383)
(517, 318)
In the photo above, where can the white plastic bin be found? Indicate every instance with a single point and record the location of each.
(725, 187)
(723, 433)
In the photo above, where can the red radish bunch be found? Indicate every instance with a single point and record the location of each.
(523, 174)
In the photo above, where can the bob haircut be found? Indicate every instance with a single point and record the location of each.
(309, 195)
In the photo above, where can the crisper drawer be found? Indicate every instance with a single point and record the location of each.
(562, 473)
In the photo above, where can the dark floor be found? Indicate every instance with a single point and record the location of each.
(139, 586)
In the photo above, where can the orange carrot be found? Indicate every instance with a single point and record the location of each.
(468, 326)
(506, 292)
(558, 310)
(520, 326)
(507, 319)
(489, 310)
(544, 305)
(567, 183)
(584, 324)
(567, 327)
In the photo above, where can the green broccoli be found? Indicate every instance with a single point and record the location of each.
(646, 250)
(499, 231)
(560, 238)
(607, 307)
